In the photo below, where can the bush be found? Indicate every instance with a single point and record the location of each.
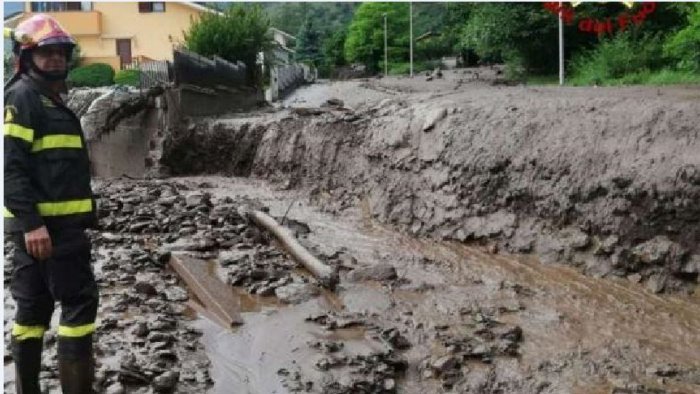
(404, 68)
(127, 77)
(92, 75)
(239, 34)
(618, 57)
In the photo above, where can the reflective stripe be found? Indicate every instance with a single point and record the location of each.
(77, 331)
(58, 208)
(21, 132)
(57, 141)
(65, 207)
(26, 332)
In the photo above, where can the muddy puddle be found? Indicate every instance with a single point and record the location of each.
(580, 334)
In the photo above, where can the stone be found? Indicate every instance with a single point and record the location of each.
(653, 251)
(433, 117)
(444, 364)
(692, 266)
(166, 382)
(175, 294)
(229, 257)
(145, 288)
(140, 329)
(378, 272)
(295, 293)
(115, 388)
(656, 283)
(578, 239)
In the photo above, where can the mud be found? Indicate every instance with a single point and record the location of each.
(602, 179)
(456, 318)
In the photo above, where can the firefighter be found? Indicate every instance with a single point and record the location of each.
(48, 205)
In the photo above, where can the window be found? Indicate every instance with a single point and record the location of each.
(151, 6)
(59, 6)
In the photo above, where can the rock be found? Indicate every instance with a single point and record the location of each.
(578, 239)
(656, 283)
(433, 117)
(635, 278)
(654, 251)
(115, 388)
(692, 266)
(145, 288)
(389, 385)
(334, 102)
(444, 364)
(379, 272)
(228, 257)
(295, 293)
(140, 329)
(607, 245)
(194, 200)
(175, 294)
(166, 382)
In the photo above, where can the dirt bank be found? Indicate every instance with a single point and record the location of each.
(604, 179)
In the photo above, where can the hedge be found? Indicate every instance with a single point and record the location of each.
(92, 75)
(127, 77)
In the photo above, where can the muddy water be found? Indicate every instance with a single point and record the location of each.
(587, 326)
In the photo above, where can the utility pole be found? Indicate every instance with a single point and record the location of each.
(561, 44)
(411, 24)
(386, 56)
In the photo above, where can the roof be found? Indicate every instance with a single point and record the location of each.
(284, 33)
(200, 7)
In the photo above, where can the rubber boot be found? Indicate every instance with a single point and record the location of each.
(76, 375)
(27, 358)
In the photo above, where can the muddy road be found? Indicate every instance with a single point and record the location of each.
(489, 239)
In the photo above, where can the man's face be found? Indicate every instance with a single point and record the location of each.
(51, 59)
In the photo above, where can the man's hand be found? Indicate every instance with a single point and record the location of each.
(38, 243)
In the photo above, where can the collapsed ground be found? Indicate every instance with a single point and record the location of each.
(417, 191)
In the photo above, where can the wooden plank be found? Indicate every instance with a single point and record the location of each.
(218, 298)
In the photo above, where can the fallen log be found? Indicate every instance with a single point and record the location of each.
(324, 273)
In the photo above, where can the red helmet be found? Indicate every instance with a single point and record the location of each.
(41, 30)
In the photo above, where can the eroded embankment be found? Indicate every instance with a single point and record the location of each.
(608, 181)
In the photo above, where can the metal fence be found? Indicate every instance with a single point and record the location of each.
(152, 72)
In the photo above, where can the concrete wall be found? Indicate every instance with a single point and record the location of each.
(196, 101)
(124, 150)
(285, 78)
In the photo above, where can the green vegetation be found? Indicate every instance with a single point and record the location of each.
(238, 35)
(128, 77)
(308, 48)
(665, 48)
(92, 75)
(365, 41)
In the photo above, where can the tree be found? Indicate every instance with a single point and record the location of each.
(365, 41)
(522, 34)
(684, 46)
(308, 44)
(241, 33)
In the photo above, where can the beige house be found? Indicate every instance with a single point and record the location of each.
(119, 33)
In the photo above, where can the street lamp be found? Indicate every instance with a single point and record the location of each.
(411, 29)
(386, 56)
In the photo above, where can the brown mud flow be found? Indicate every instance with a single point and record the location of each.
(605, 180)
(579, 334)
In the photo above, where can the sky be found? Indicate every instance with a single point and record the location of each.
(13, 6)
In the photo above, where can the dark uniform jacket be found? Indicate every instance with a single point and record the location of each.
(47, 169)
